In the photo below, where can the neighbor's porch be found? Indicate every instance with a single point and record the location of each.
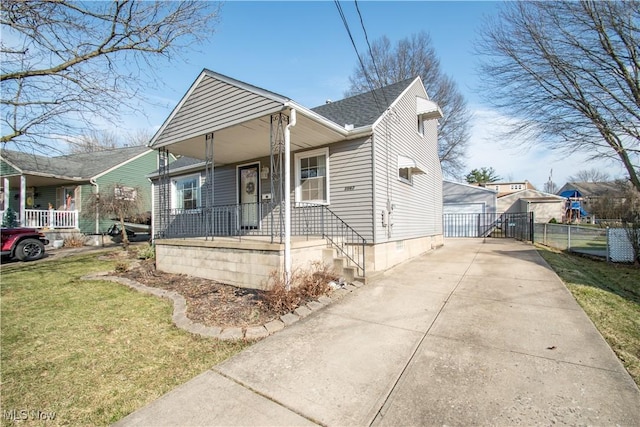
(42, 202)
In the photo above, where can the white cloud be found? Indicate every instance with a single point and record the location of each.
(516, 161)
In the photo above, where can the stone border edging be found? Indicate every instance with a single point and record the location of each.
(181, 320)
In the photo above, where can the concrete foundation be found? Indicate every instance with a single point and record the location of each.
(383, 256)
(245, 263)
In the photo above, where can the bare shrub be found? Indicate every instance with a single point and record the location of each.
(306, 285)
(74, 241)
(121, 266)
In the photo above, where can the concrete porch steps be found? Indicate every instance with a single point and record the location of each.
(341, 265)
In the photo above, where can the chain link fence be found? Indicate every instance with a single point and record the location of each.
(613, 244)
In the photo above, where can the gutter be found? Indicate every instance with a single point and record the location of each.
(93, 182)
(287, 199)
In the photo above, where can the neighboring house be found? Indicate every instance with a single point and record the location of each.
(544, 206)
(594, 199)
(277, 182)
(52, 192)
(504, 188)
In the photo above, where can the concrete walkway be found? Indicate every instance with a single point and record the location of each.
(471, 334)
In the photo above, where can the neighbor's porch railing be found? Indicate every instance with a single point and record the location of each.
(53, 219)
(264, 219)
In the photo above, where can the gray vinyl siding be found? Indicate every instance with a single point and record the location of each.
(417, 206)
(455, 193)
(350, 183)
(212, 105)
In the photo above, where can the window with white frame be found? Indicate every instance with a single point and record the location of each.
(312, 176)
(187, 192)
(404, 175)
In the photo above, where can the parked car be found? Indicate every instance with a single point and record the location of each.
(25, 244)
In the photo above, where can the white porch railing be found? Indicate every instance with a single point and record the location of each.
(48, 219)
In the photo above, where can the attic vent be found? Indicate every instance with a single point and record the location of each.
(328, 101)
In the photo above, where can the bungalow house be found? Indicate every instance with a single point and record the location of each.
(52, 192)
(267, 184)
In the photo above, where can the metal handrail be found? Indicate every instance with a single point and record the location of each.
(262, 219)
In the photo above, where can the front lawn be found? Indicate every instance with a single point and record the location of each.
(89, 352)
(610, 295)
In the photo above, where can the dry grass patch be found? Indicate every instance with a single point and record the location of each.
(90, 351)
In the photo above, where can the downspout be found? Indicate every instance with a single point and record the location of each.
(287, 199)
(93, 182)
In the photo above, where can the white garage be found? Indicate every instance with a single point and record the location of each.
(467, 209)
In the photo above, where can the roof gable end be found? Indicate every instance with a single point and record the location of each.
(215, 101)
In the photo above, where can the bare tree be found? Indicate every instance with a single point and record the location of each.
(66, 64)
(409, 58)
(569, 73)
(116, 200)
(589, 175)
(93, 141)
(550, 187)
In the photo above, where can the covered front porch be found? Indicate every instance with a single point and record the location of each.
(249, 134)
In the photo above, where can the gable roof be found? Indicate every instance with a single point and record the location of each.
(531, 195)
(595, 189)
(363, 109)
(82, 166)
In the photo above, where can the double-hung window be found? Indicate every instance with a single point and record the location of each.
(312, 176)
(187, 192)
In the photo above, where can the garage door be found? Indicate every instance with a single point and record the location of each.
(463, 219)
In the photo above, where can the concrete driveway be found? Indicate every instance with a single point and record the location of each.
(470, 334)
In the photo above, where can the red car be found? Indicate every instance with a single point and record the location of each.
(25, 244)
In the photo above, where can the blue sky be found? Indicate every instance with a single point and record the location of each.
(302, 50)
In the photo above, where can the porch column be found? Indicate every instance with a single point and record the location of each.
(5, 183)
(23, 199)
(287, 199)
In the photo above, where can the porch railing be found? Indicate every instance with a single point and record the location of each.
(53, 219)
(264, 219)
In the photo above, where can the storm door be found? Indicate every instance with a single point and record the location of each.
(249, 195)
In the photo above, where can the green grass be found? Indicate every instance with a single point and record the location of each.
(90, 351)
(610, 295)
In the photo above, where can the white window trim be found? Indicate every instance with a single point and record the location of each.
(420, 124)
(303, 155)
(403, 180)
(174, 190)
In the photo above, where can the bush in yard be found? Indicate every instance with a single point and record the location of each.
(10, 220)
(306, 285)
(74, 241)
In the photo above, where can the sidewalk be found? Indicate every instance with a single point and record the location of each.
(471, 334)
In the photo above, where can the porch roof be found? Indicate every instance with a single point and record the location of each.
(71, 168)
(239, 115)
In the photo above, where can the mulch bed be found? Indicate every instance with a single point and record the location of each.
(208, 302)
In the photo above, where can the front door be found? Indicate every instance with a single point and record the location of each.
(249, 195)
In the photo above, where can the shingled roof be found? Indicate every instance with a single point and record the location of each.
(82, 165)
(596, 189)
(363, 109)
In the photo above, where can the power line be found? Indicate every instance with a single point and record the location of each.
(353, 43)
(373, 59)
